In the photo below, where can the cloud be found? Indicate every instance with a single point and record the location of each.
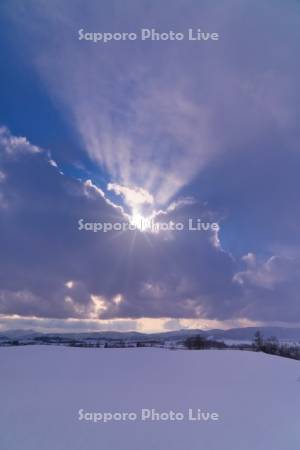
(267, 275)
(156, 114)
(270, 288)
(66, 274)
(134, 197)
(12, 144)
(2, 177)
(216, 123)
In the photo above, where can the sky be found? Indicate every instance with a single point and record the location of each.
(166, 130)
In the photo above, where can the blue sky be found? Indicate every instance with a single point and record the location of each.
(167, 129)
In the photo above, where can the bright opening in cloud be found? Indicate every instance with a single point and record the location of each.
(133, 196)
(142, 223)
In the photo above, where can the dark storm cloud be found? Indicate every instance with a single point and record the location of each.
(50, 269)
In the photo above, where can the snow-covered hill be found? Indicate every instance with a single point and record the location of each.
(257, 397)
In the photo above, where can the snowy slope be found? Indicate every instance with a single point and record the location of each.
(42, 389)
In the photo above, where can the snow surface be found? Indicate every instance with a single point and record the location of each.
(42, 389)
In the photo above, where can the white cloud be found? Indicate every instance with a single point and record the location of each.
(2, 176)
(135, 197)
(265, 275)
(13, 144)
(52, 163)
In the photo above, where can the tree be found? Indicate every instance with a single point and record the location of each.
(271, 346)
(202, 343)
(258, 341)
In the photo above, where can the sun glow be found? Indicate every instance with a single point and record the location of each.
(142, 223)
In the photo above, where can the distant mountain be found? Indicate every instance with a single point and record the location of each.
(247, 333)
(238, 334)
(18, 334)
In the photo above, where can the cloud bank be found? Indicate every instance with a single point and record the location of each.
(52, 270)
